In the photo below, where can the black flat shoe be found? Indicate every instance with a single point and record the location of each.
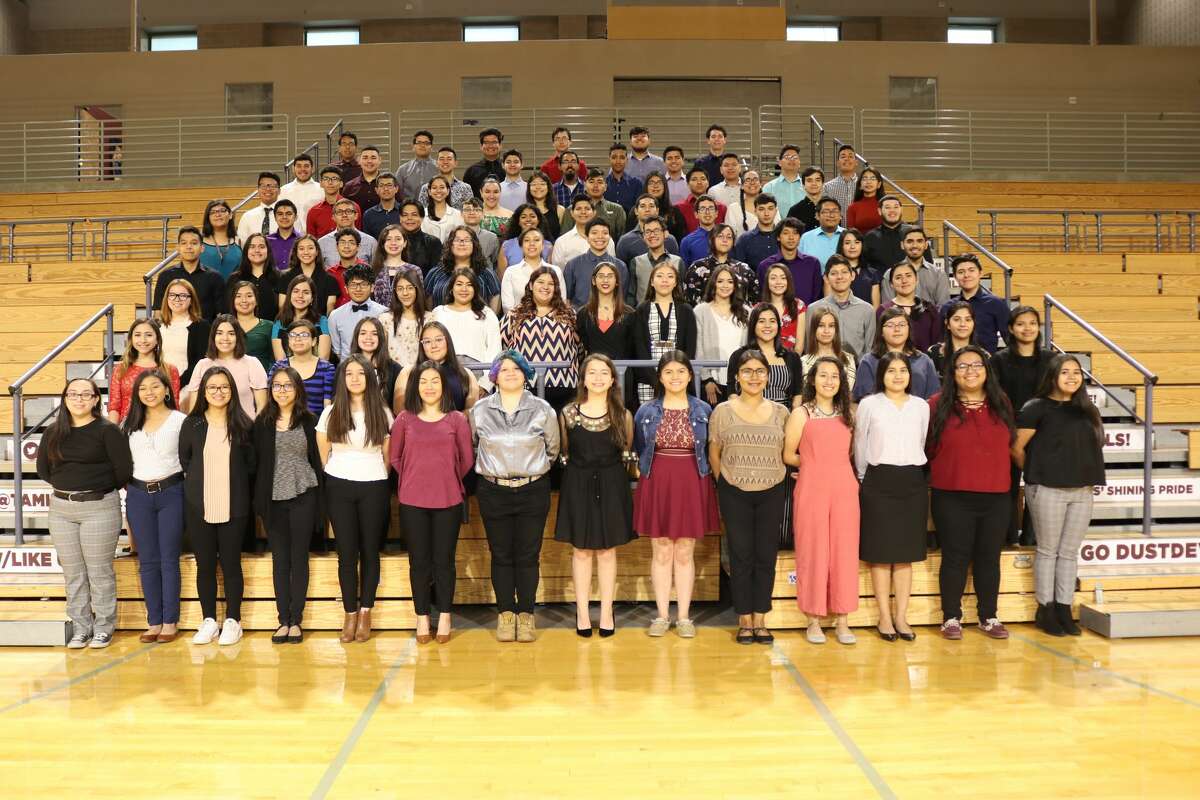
(279, 638)
(607, 632)
(763, 636)
(911, 636)
(297, 639)
(887, 637)
(745, 636)
(583, 633)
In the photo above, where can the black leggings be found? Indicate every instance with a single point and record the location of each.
(432, 537)
(211, 541)
(359, 512)
(752, 522)
(971, 527)
(514, 520)
(288, 534)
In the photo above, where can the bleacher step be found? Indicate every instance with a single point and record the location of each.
(1134, 620)
(32, 627)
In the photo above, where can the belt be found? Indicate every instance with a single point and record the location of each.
(154, 487)
(80, 497)
(511, 483)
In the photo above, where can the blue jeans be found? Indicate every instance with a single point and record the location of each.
(157, 523)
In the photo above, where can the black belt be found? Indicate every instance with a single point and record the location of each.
(79, 497)
(154, 487)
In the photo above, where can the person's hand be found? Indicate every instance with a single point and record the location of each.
(710, 391)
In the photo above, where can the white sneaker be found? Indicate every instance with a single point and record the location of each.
(208, 631)
(231, 632)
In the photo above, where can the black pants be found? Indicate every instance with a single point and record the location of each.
(752, 521)
(1026, 535)
(971, 527)
(288, 535)
(514, 520)
(359, 512)
(211, 541)
(432, 536)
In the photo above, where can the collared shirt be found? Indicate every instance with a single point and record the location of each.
(329, 252)
(711, 164)
(754, 246)
(694, 247)
(578, 275)
(477, 172)
(695, 280)
(555, 174)
(932, 285)
(376, 218)
(886, 434)
(571, 244)
(522, 444)
(613, 214)
(806, 212)
(722, 192)
(209, 286)
(842, 190)
(856, 321)
(881, 247)
(639, 168)
(623, 191)
(513, 193)
(414, 174)
(806, 275)
(281, 249)
(819, 244)
(677, 189)
(252, 222)
(342, 322)
(362, 191)
(460, 192)
(349, 170)
(786, 192)
(320, 218)
(516, 278)
(632, 245)
(641, 267)
(565, 194)
(305, 194)
(991, 318)
(687, 207)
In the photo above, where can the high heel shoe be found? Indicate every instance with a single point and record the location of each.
(583, 633)
(442, 638)
(424, 638)
(887, 637)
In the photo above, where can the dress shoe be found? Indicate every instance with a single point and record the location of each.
(887, 637)
(349, 627)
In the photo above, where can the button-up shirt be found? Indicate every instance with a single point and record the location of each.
(677, 189)
(641, 268)
(806, 212)
(623, 191)
(722, 192)
(460, 192)
(885, 434)
(754, 246)
(565, 194)
(632, 245)
(786, 192)
(842, 190)
(252, 222)
(641, 167)
(991, 318)
(349, 170)
(343, 320)
(362, 191)
(376, 218)
(281, 249)
(209, 286)
(328, 245)
(856, 321)
(694, 246)
(819, 244)
(806, 275)
(571, 244)
(477, 172)
(522, 444)
(413, 175)
(305, 194)
(320, 218)
(513, 192)
(711, 164)
(932, 285)
(613, 214)
(578, 275)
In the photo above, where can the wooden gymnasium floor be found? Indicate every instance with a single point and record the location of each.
(628, 717)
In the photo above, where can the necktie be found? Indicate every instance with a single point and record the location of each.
(266, 226)
(358, 307)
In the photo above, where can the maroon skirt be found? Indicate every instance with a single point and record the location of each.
(674, 501)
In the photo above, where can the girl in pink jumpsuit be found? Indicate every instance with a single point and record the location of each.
(825, 508)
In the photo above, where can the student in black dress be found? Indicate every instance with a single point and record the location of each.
(306, 260)
(258, 268)
(218, 460)
(595, 506)
(287, 494)
(1019, 369)
(663, 323)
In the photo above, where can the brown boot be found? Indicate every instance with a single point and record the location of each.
(506, 627)
(525, 628)
(349, 627)
(364, 625)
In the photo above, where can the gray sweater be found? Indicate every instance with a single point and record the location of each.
(856, 321)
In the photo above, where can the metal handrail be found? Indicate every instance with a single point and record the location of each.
(337, 126)
(949, 227)
(1098, 215)
(897, 188)
(17, 391)
(165, 219)
(816, 142)
(622, 365)
(1149, 379)
(71, 222)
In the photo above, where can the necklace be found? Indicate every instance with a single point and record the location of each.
(816, 413)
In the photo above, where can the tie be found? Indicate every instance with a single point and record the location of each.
(356, 307)
(266, 226)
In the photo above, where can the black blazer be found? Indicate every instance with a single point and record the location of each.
(197, 347)
(616, 342)
(242, 464)
(790, 358)
(685, 335)
(264, 448)
(422, 249)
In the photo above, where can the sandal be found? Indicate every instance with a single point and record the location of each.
(745, 636)
(763, 636)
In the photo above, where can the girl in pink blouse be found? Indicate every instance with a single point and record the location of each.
(143, 351)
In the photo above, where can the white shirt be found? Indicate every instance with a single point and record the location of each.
(174, 342)
(441, 227)
(252, 220)
(305, 195)
(474, 338)
(716, 339)
(885, 434)
(352, 460)
(741, 222)
(573, 243)
(516, 278)
(156, 455)
(725, 194)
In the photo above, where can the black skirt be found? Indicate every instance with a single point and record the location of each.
(894, 503)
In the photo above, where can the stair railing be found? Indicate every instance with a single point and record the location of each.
(949, 227)
(897, 188)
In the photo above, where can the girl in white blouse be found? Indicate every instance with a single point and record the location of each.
(405, 315)
(889, 456)
(440, 216)
(472, 325)
(720, 329)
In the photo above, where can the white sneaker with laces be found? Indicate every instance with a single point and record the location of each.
(101, 641)
(208, 631)
(231, 632)
(79, 641)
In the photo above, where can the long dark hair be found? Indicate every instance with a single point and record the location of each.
(513, 229)
(137, 409)
(1080, 401)
(858, 190)
(614, 404)
(737, 300)
(677, 293)
(791, 306)
(430, 203)
(549, 221)
(997, 401)
(206, 226)
(451, 362)
(300, 413)
(815, 317)
(885, 361)
(420, 306)
(477, 305)
(478, 262)
(664, 200)
(245, 271)
(413, 403)
(237, 423)
(131, 355)
(879, 346)
(841, 403)
(287, 314)
(340, 421)
(239, 345)
(593, 304)
(841, 245)
(53, 438)
(235, 286)
(752, 326)
(294, 258)
(380, 255)
(668, 358)
(1012, 318)
(560, 311)
(380, 359)
(951, 309)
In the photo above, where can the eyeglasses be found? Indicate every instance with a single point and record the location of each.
(975, 366)
(178, 296)
(80, 395)
(285, 388)
(217, 389)
(219, 210)
(299, 335)
(358, 285)
(425, 142)
(895, 326)
(344, 212)
(331, 179)
(428, 342)
(754, 373)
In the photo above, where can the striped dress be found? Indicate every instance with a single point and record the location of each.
(318, 388)
(545, 339)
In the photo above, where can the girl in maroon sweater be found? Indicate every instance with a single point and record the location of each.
(970, 432)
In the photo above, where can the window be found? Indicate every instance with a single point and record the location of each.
(249, 106)
(814, 33)
(177, 40)
(492, 33)
(971, 34)
(325, 37)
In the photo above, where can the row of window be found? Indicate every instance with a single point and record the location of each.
(320, 37)
(832, 32)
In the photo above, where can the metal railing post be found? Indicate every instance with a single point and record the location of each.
(103, 240)
(70, 241)
(949, 227)
(1157, 231)
(992, 214)
(945, 239)
(1048, 325)
(165, 233)
(12, 234)
(1066, 231)
(1191, 232)
(18, 434)
(109, 349)
(179, 146)
(1099, 232)
(1147, 454)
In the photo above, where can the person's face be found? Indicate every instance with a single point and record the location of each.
(283, 390)
(569, 167)
(410, 219)
(490, 192)
(538, 189)
(532, 246)
(826, 330)
(512, 166)
(813, 184)
(368, 339)
(675, 378)
(433, 342)
(1070, 377)
(674, 161)
(766, 328)
(490, 147)
(406, 293)
(789, 239)
(697, 183)
(347, 248)
(439, 191)
(967, 274)
(751, 182)
(829, 215)
(789, 161)
(868, 182)
(461, 246)
(582, 213)
(914, 246)
(605, 281)
(344, 216)
(306, 251)
(617, 160)
(846, 161)
(839, 277)
(393, 243)
(598, 238)
(422, 146)
(463, 291)
(472, 214)
(218, 392)
(369, 161)
(663, 281)
(303, 170)
(777, 281)
(152, 393)
(706, 212)
(356, 379)
(300, 341)
(189, 247)
(301, 296)
(904, 281)
(256, 251)
(731, 170)
(655, 187)
(646, 208)
(144, 339)
(285, 218)
(961, 324)
(446, 162)
(509, 377)
(969, 372)
(723, 241)
(752, 377)
(331, 183)
(359, 290)
(653, 235)
(562, 140)
(724, 286)
(1025, 328)
(640, 142)
(543, 290)
(598, 378)
(429, 387)
(386, 188)
(268, 191)
(80, 398)
(225, 338)
(179, 299)
(851, 246)
(765, 214)
(828, 381)
(890, 211)
(529, 219)
(244, 301)
(895, 377)
(347, 148)
(219, 216)
(895, 332)
(595, 187)
(716, 141)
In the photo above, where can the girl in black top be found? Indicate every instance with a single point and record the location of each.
(1060, 444)
(258, 268)
(959, 325)
(218, 460)
(663, 323)
(605, 324)
(85, 459)
(786, 373)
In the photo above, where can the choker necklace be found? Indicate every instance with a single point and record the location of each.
(972, 403)
(817, 413)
